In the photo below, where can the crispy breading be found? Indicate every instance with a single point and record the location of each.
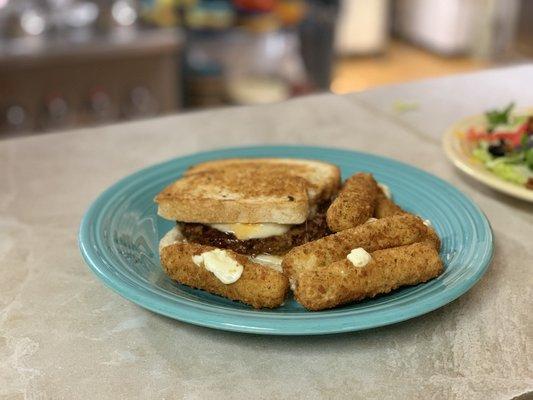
(432, 238)
(341, 282)
(355, 203)
(385, 207)
(375, 235)
(259, 286)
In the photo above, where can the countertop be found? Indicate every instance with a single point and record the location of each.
(63, 335)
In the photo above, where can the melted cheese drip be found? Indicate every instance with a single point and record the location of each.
(359, 257)
(386, 190)
(268, 260)
(221, 264)
(172, 236)
(252, 231)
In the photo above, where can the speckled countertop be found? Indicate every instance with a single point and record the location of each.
(63, 335)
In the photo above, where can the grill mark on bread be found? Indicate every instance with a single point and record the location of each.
(249, 191)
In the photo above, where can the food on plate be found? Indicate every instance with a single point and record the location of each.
(431, 235)
(385, 207)
(252, 206)
(250, 211)
(251, 229)
(373, 235)
(225, 273)
(267, 239)
(379, 272)
(355, 203)
(503, 143)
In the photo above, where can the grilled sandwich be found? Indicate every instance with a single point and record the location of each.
(235, 218)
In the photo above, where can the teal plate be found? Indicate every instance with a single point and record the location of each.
(120, 232)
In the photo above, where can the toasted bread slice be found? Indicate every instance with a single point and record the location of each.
(249, 191)
(244, 196)
(323, 178)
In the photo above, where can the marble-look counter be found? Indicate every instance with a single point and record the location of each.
(63, 335)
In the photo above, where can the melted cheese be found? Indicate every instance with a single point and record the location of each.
(268, 260)
(172, 236)
(359, 257)
(221, 264)
(252, 231)
(386, 190)
(293, 284)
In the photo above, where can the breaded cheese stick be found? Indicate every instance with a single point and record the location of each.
(259, 286)
(342, 282)
(355, 203)
(385, 207)
(374, 235)
(432, 238)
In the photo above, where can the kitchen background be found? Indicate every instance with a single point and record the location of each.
(68, 63)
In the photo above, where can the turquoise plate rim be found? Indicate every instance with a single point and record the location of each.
(261, 322)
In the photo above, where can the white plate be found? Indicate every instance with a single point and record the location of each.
(456, 149)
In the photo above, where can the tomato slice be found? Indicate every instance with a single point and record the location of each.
(513, 138)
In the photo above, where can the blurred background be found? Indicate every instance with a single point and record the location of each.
(73, 63)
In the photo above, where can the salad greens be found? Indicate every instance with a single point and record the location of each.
(498, 117)
(505, 147)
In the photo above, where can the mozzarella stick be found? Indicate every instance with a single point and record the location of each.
(355, 203)
(259, 286)
(385, 207)
(374, 235)
(432, 238)
(342, 282)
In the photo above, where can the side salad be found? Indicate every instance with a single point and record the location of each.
(505, 145)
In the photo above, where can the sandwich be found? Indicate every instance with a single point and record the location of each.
(252, 229)
(236, 218)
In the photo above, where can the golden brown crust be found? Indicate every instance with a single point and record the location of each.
(385, 207)
(340, 282)
(240, 196)
(432, 238)
(323, 178)
(355, 203)
(249, 191)
(258, 286)
(380, 234)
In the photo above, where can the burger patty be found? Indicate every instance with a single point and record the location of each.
(312, 229)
